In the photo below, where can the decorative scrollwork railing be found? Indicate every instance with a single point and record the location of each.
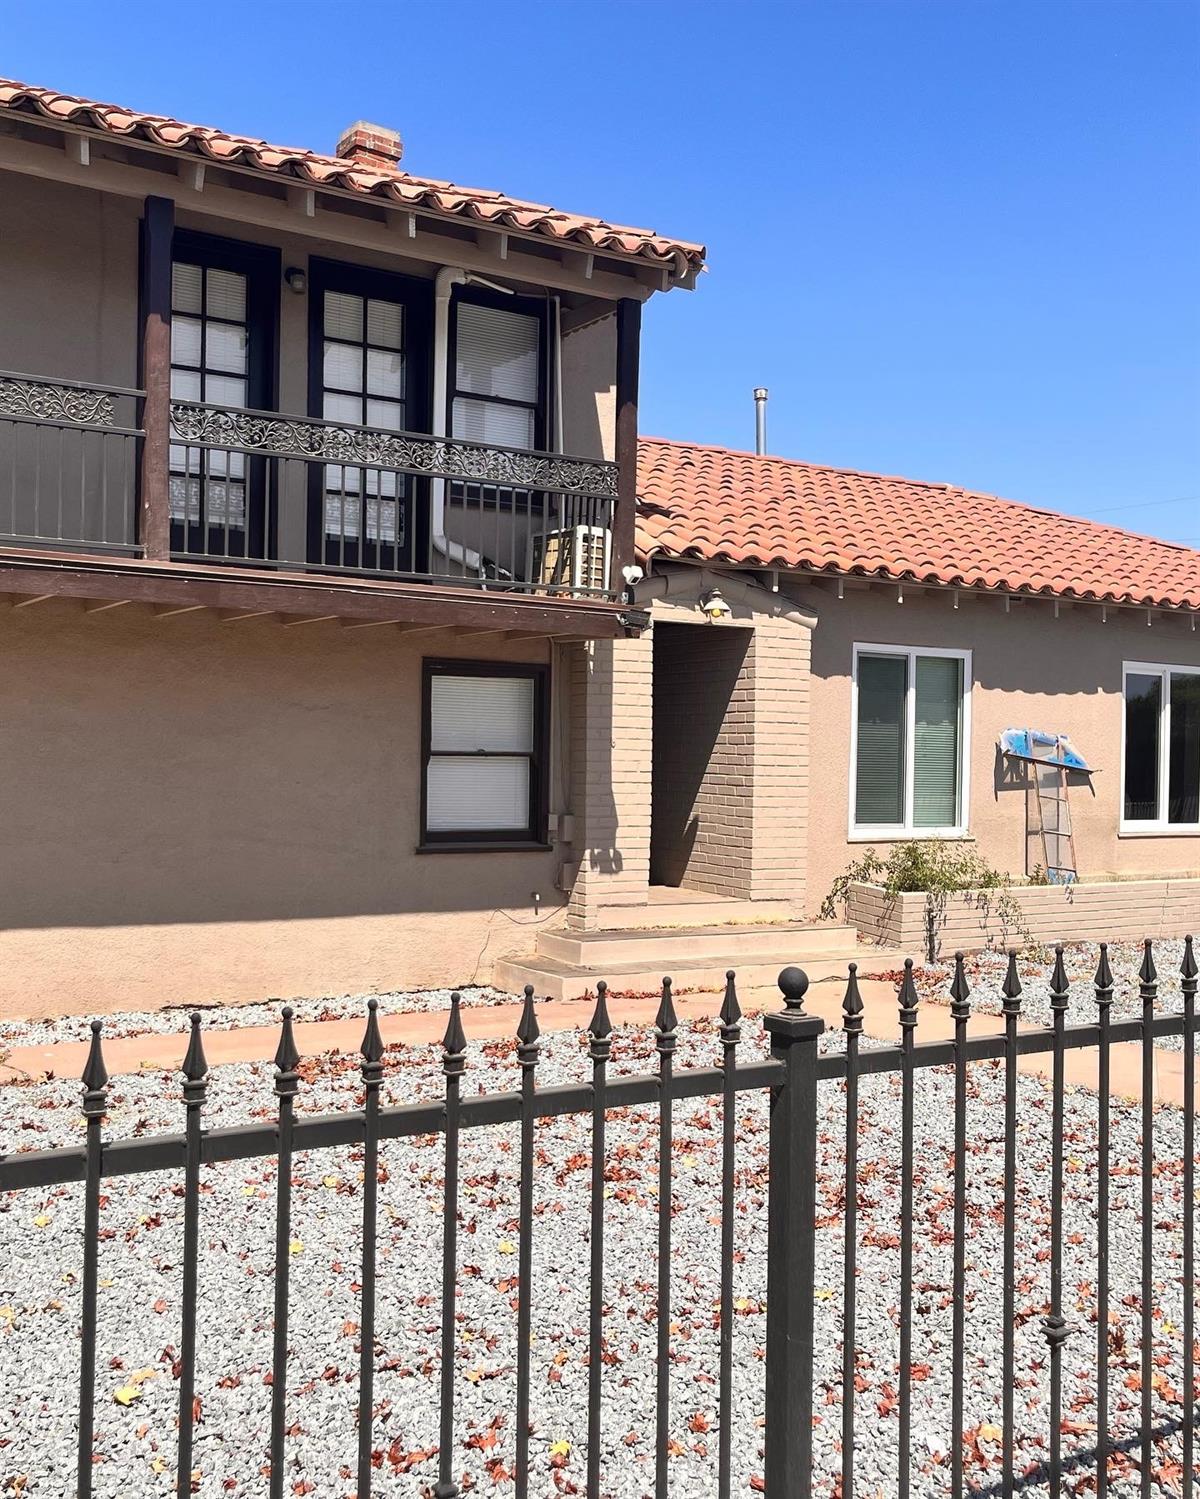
(264, 432)
(64, 402)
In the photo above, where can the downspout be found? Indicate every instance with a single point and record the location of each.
(444, 282)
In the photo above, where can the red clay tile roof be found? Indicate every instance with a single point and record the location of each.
(334, 172)
(716, 505)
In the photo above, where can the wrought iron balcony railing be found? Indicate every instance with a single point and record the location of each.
(266, 489)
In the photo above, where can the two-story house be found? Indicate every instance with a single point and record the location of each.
(317, 487)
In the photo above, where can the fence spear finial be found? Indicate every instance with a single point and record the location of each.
(1059, 983)
(666, 1020)
(960, 990)
(1188, 968)
(1011, 987)
(852, 1003)
(528, 1031)
(287, 1057)
(731, 1011)
(1147, 972)
(454, 1042)
(195, 1063)
(372, 1041)
(908, 997)
(1104, 978)
(95, 1074)
(600, 1026)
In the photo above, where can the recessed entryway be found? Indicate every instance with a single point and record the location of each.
(702, 772)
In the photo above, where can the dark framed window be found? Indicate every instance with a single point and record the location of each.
(368, 367)
(224, 352)
(499, 383)
(485, 756)
(1161, 755)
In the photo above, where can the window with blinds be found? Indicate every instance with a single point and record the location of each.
(497, 375)
(909, 741)
(1161, 761)
(484, 726)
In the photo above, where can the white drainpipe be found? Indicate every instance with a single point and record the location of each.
(448, 277)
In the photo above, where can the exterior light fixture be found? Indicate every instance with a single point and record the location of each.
(714, 606)
(296, 279)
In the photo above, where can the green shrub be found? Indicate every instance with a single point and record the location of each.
(937, 868)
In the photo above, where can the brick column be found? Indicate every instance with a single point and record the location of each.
(781, 663)
(611, 728)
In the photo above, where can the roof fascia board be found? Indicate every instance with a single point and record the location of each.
(566, 273)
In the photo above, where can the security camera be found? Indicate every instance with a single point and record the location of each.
(632, 574)
(714, 606)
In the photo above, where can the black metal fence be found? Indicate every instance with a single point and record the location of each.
(792, 1075)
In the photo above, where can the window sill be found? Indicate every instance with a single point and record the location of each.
(1159, 832)
(902, 835)
(490, 846)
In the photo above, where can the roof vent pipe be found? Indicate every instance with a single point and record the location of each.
(760, 419)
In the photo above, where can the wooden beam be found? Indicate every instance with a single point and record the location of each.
(425, 606)
(232, 616)
(158, 229)
(28, 601)
(308, 619)
(629, 323)
(104, 605)
(376, 624)
(169, 611)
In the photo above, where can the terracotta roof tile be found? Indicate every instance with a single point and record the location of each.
(717, 505)
(335, 171)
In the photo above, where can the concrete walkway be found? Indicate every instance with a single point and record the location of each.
(151, 1051)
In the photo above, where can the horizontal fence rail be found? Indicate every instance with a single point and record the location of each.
(68, 463)
(791, 1077)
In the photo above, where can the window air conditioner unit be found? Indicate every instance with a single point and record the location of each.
(573, 557)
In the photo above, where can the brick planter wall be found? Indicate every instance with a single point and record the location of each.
(1122, 909)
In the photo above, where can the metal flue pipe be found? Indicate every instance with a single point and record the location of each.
(760, 419)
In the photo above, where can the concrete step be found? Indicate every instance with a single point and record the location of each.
(554, 979)
(778, 942)
(689, 908)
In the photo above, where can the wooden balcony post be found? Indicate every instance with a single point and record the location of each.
(154, 514)
(629, 324)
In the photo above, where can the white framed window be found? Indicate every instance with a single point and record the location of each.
(909, 742)
(1160, 748)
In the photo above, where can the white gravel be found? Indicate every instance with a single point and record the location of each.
(985, 973)
(40, 1238)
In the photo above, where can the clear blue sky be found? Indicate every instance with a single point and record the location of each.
(958, 241)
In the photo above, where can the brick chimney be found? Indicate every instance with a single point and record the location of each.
(371, 146)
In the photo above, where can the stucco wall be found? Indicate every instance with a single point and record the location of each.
(1029, 670)
(196, 810)
(69, 292)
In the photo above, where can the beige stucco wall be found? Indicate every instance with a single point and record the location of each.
(196, 810)
(69, 294)
(1029, 670)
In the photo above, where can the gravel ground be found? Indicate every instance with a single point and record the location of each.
(985, 973)
(172, 1020)
(139, 1300)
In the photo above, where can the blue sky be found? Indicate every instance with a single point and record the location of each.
(958, 241)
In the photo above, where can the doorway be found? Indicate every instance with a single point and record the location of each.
(702, 777)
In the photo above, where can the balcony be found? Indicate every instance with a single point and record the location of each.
(88, 469)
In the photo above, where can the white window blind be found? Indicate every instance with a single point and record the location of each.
(497, 353)
(936, 741)
(882, 688)
(482, 737)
